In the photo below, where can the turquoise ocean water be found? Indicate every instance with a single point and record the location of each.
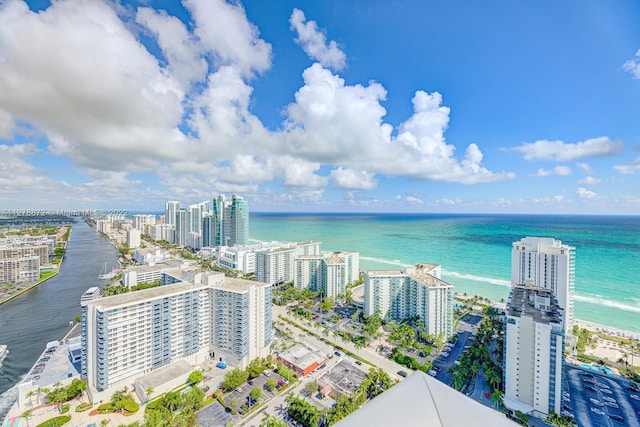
(475, 251)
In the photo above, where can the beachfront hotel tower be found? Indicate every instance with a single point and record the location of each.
(533, 351)
(547, 263)
(229, 221)
(127, 336)
(410, 292)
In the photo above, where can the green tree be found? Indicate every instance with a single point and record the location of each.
(271, 383)
(195, 377)
(27, 415)
(234, 379)
(255, 394)
(149, 391)
(327, 304)
(256, 367)
(497, 397)
(270, 421)
(522, 418)
(311, 387)
(286, 372)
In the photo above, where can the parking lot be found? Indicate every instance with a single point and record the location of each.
(599, 400)
(448, 357)
(215, 415)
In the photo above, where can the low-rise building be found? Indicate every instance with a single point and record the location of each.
(301, 359)
(341, 380)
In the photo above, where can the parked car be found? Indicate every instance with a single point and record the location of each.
(403, 374)
(595, 401)
(358, 362)
(337, 353)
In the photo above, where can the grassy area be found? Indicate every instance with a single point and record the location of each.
(46, 274)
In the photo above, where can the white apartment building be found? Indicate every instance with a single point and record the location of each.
(534, 351)
(135, 275)
(330, 272)
(413, 291)
(20, 270)
(309, 247)
(103, 226)
(25, 250)
(150, 256)
(238, 258)
(142, 222)
(134, 238)
(275, 265)
(170, 212)
(546, 263)
(129, 335)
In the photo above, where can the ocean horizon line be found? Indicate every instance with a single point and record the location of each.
(357, 213)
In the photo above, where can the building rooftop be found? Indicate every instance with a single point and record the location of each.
(277, 250)
(235, 285)
(421, 400)
(163, 265)
(162, 375)
(532, 301)
(229, 284)
(144, 294)
(421, 272)
(333, 258)
(343, 377)
(301, 356)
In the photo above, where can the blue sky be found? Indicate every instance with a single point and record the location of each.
(415, 106)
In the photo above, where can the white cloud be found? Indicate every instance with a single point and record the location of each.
(300, 173)
(589, 180)
(583, 193)
(6, 125)
(179, 47)
(560, 151)
(449, 202)
(114, 109)
(586, 168)
(352, 179)
(224, 30)
(106, 96)
(336, 123)
(314, 42)
(412, 199)
(633, 66)
(630, 168)
(558, 170)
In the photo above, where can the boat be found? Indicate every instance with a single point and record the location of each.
(3, 352)
(108, 276)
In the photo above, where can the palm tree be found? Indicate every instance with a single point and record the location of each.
(27, 414)
(149, 391)
(497, 396)
(30, 395)
(457, 380)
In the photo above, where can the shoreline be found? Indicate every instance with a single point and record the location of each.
(582, 324)
(41, 281)
(31, 286)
